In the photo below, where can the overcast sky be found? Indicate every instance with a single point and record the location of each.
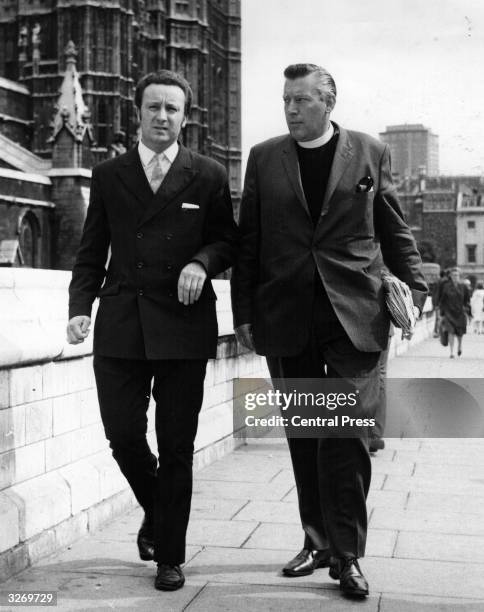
(394, 61)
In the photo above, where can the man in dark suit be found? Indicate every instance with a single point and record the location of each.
(319, 217)
(165, 213)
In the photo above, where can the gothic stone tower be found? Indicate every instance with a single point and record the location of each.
(118, 41)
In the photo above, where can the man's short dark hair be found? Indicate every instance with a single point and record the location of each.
(164, 77)
(326, 85)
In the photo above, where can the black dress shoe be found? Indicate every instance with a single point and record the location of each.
(351, 580)
(306, 562)
(146, 540)
(169, 577)
(376, 444)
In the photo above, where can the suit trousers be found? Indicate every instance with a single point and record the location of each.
(162, 487)
(332, 474)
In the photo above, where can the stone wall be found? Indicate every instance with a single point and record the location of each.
(58, 480)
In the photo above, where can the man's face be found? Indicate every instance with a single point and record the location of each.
(306, 113)
(162, 115)
(454, 276)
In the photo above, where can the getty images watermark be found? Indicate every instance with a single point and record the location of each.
(303, 400)
(315, 408)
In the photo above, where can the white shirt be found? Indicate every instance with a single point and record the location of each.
(147, 156)
(318, 142)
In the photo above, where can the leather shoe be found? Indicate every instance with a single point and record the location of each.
(145, 540)
(351, 580)
(169, 577)
(305, 562)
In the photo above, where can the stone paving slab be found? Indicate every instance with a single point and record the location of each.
(270, 512)
(433, 577)
(434, 521)
(94, 554)
(394, 603)
(377, 484)
(267, 447)
(210, 508)
(401, 468)
(458, 548)
(291, 496)
(84, 585)
(277, 536)
(273, 491)
(470, 471)
(380, 498)
(240, 598)
(453, 456)
(244, 468)
(219, 533)
(423, 502)
(403, 576)
(395, 444)
(247, 566)
(450, 445)
(434, 485)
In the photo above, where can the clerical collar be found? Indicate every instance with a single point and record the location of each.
(318, 142)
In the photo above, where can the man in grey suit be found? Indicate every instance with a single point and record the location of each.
(319, 218)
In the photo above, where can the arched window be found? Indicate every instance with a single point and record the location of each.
(29, 233)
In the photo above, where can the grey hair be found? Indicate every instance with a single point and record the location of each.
(326, 86)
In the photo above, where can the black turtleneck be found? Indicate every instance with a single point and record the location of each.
(315, 165)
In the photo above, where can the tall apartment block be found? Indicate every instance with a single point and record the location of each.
(414, 150)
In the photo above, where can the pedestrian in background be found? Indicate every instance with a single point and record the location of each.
(454, 304)
(477, 309)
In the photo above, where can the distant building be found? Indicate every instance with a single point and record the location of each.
(414, 150)
(67, 76)
(446, 216)
(470, 231)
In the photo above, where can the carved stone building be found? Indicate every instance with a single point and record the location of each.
(446, 216)
(100, 48)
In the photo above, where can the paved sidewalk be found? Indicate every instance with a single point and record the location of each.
(425, 546)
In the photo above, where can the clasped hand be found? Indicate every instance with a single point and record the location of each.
(190, 285)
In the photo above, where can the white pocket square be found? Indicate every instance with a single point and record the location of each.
(188, 206)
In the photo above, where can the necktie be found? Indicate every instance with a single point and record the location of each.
(157, 172)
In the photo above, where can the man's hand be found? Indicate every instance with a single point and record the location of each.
(243, 333)
(190, 283)
(78, 329)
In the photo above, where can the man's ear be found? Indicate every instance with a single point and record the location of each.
(184, 122)
(138, 114)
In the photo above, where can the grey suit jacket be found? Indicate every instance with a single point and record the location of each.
(357, 233)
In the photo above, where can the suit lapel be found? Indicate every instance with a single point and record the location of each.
(133, 177)
(291, 165)
(342, 156)
(178, 177)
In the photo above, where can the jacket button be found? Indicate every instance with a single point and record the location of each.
(170, 293)
(168, 236)
(140, 264)
(169, 266)
(139, 235)
(141, 292)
